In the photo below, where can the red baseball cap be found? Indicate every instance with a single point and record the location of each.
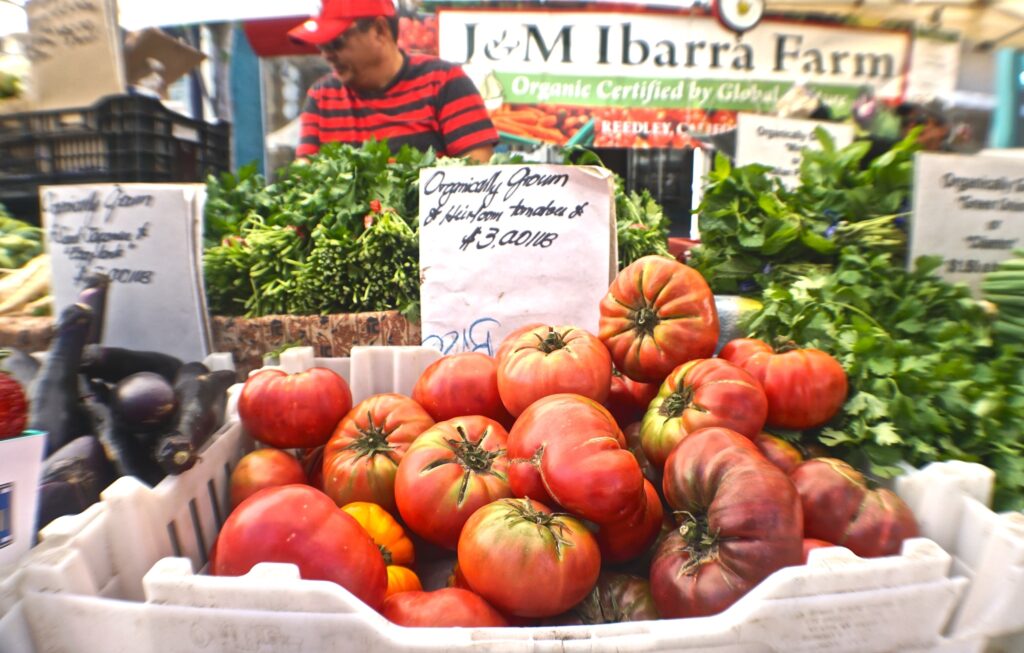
(336, 16)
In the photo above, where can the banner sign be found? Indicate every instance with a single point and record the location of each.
(649, 80)
(969, 209)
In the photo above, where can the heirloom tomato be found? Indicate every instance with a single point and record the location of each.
(443, 608)
(510, 339)
(361, 458)
(390, 538)
(657, 315)
(569, 448)
(617, 598)
(700, 394)
(739, 521)
(261, 469)
(549, 360)
(459, 385)
(839, 507)
(293, 410)
(525, 560)
(805, 387)
(453, 468)
(402, 579)
(628, 399)
(781, 453)
(301, 525)
(624, 540)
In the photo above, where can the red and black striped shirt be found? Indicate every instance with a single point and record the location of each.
(430, 103)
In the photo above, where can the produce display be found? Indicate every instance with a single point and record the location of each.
(1004, 288)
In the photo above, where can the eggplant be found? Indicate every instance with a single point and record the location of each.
(143, 402)
(201, 402)
(22, 366)
(129, 455)
(72, 479)
(54, 397)
(94, 295)
(113, 364)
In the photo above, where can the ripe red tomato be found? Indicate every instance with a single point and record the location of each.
(631, 537)
(700, 394)
(628, 399)
(617, 598)
(293, 410)
(451, 469)
(741, 521)
(443, 608)
(301, 525)
(570, 448)
(362, 456)
(263, 468)
(658, 314)
(805, 387)
(550, 360)
(527, 561)
(781, 453)
(459, 385)
(511, 338)
(838, 507)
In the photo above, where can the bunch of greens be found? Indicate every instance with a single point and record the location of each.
(927, 382)
(755, 231)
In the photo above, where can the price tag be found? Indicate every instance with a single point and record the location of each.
(780, 142)
(968, 209)
(146, 239)
(501, 246)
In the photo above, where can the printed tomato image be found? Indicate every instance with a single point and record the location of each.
(657, 315)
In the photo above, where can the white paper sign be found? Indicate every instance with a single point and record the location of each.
(501, 246)
(780, 142)
(146, 238)
(969, 209)
(21, 461)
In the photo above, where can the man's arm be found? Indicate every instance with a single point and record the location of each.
(481, 154)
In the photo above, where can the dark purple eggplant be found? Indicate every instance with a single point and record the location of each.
(112, 364)
(94, 295)
(130, 455)
(201, 403)
(72, 479)
(143, 402)
(20, 365)
(55, 401)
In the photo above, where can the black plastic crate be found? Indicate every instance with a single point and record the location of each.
(123, 138)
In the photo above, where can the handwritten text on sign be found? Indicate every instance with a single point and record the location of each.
(143, 237)
(780, 142)
(969, 210)
(501, 246)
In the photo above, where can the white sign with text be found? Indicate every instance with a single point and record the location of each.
(969, 209)
(780, 142)
(501, 246)
(146, 239)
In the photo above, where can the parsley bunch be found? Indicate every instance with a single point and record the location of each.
(927, 381)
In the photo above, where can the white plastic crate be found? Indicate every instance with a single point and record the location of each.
(124, 580)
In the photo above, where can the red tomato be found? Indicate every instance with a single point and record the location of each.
(805, 387)
(570, 448)
(628, 399)
(361, 458)
(838, 507)
(293, 410)
(443, 608)
(511, 338)
(741, 522)
(810, 544)
(527, 561)
(313, 466)
(459, 385)
(451, 469)
(658, 314)
(629, 538)
(301, 525)
(781, 453)
(700, 394)
(549, 360)
(263, 468)
(617, 598)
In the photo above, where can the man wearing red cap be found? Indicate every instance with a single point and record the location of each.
(378, 91)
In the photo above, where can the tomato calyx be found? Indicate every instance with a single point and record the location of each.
(524, 510)
(388, 560)
(553, 341)
(644, 320)
(677, 402)
(372, 440)
(783, 345)
(701, 542)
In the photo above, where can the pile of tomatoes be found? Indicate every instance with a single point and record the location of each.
(572, 478)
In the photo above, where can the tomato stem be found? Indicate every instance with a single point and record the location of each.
(701, 542)
(387, 554)
(644, 320)
(553, 342)
(372, 440)
(677, 402)
(470, 454)
(782, 345)
(523, 509)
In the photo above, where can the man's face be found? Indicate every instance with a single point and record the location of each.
(353, 52)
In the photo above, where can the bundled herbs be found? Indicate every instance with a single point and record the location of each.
(927, 382)
(755, 231)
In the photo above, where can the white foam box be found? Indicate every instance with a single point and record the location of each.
(125, 579)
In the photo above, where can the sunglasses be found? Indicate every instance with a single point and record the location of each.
(340, 40)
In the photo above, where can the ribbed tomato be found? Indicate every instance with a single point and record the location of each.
(657, 315)
(700, 394)
(628, 399)
(627, 539)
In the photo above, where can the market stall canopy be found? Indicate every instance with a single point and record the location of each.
(136, 14)
(986, 23)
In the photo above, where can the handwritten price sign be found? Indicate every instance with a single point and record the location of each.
(501, 246)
